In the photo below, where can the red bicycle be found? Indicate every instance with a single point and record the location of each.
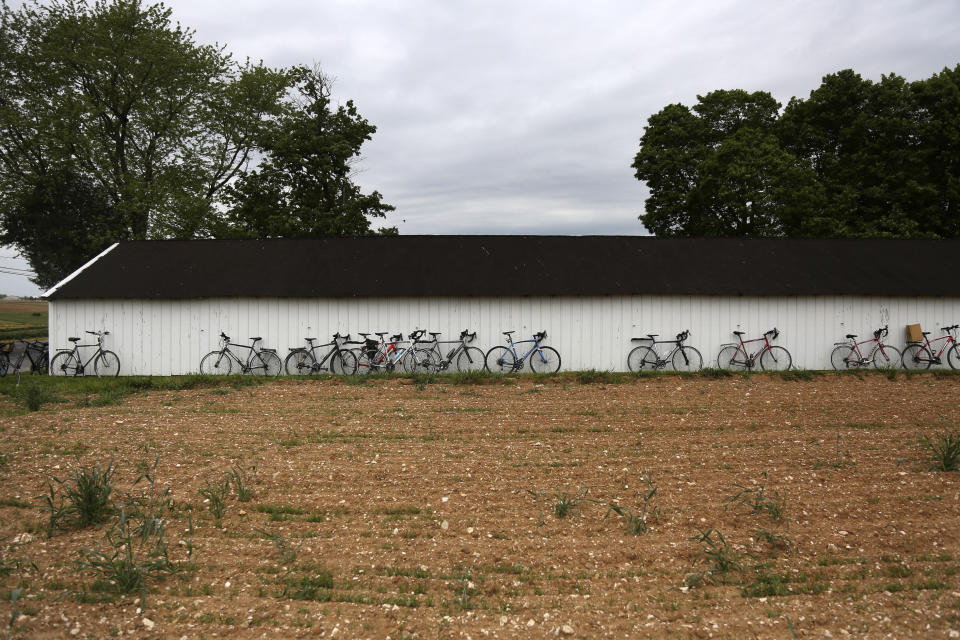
(923, 355)
(849, 355)
(771, 358)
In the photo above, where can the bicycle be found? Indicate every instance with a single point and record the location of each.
(67, 362)
(378, 355)
(303, 360)
(923, 355)
(259, 361)
(770, 357)
(467, 358)
(36, 352)
(849, 355)
(682, 357)
(507, 360)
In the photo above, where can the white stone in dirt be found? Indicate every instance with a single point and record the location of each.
(149, 624)
(566, 630)
(444, 525)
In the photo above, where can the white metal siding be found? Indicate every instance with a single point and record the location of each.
(170, 336)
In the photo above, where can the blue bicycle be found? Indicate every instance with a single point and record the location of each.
(507, 360)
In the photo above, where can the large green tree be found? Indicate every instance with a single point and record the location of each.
(854, 159)
(719, 170)
(110, 112)
(303, 186)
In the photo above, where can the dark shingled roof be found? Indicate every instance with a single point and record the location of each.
(517, 266)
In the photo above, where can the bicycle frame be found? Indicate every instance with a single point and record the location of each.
(750, 359)
(855, 357)
(677, 344)
(253, 352)
(928, 343)
(519, 360)
(76, 351)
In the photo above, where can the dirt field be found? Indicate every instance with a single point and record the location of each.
(403, 510)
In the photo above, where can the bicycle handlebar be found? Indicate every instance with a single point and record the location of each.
(949, 329)
(881, 332)
(541, 335)
(683, 335)
(466, 334)
(773, 333)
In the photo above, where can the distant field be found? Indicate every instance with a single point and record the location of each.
(22, 319)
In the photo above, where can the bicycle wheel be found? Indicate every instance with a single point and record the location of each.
(269, 364)
(731, 358)
(545, 360)
(500, 360)
(65, 363)
(299, 363)
(953, 357)
(687, 359)
(916, 356)
(43, 363)
(364, 364)
(419, 361)
(470, 359)
(216, 363)
(844, 357)
(642, 358)
(106, 365)
(886, 357)
(343, 363)
(775, 359)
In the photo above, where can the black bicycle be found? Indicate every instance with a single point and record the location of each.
(68, 362)
(303, 361)
(465, 358)
(36, 352)
(259, 362)
(682, 357)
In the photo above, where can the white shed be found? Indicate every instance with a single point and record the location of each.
(165, 302)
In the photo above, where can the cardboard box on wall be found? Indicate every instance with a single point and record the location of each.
(914, 333)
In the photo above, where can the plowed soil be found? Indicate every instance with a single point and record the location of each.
(403, 510)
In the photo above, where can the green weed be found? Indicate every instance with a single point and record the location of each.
(639, 522)
(241, 481)
(759, 501)
(720, 558)
(943, 449)
(215, 495)
(83, 498)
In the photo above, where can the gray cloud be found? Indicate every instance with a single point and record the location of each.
(509, 117)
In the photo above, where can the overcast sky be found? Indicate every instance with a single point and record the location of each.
(524, 116)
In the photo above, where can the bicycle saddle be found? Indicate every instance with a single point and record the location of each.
(507, 333)
(381, 333)
(436, 333)
(652, 335)
(738, 333)
(255, 339)
(74, 339)
(851, 335)
(363, 334)
(926, 333)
